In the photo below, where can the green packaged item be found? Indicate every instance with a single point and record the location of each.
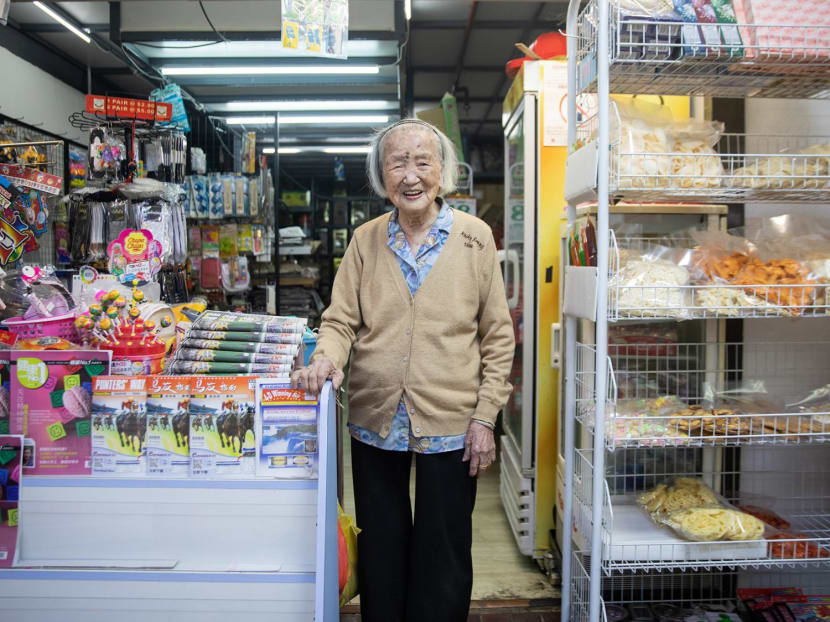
(285, 349)
(253, 337)
(225, 356)
(201, 367)
(725, 14)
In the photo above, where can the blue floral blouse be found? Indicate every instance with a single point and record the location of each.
(415, 270)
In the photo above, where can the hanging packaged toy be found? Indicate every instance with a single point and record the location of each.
(106, 154)
(134, 256)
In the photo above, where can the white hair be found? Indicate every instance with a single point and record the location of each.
(447, 154)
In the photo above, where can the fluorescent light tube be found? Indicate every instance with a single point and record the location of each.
(268, 70)
(365, 119)
(309, 105)
(360, 149)
(261, 120)
(407, 9)
(283, 150)
(62, 21)
(309, 120)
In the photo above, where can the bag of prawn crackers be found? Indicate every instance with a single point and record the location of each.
(694, 512)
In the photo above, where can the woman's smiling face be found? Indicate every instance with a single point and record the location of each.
(411, 168)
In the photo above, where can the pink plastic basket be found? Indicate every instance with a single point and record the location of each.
(62, 326)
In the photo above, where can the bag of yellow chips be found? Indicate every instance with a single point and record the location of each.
(695, 512)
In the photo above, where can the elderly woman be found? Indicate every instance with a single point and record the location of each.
(419, 303)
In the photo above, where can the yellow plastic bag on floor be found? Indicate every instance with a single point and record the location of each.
(347, 555)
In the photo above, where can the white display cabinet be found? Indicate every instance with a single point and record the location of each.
(94, 548)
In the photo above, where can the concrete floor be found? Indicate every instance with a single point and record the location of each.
(500, 572)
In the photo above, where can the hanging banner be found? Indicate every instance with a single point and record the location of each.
(125, 108)
(316, 27)
(32, 178)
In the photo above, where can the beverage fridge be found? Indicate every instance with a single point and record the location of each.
(534, 160)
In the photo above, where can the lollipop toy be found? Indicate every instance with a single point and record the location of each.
(114, 325)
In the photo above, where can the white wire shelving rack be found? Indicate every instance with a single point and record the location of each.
(668, 396)
(631, 542)
(664, 58)
(685, 589)
(738, 167)
(609, 52)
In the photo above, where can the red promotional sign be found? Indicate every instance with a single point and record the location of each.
(32, 178)
(129, 108)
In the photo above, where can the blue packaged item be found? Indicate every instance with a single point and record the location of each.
(689, 31)
(12, 493)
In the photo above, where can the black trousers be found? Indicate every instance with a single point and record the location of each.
(419, 571)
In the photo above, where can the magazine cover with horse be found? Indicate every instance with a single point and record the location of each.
(168, 426)
(222, 442)
(119, 425)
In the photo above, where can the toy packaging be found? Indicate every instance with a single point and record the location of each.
(5, 366)
(51, 405)
(119, 425)
(11, 471)
(11, 463)
(287, 427)
(222, 426)
(168, 426)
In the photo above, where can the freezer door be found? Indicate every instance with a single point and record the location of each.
(519, 274)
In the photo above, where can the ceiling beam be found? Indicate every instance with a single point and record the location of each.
(482, 24)
(529, 27)
(115, 22)
(156, 36)
(465, 40)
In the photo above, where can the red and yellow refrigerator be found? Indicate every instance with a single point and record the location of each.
(535, 135)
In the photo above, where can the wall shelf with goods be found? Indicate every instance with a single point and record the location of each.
(682, 487)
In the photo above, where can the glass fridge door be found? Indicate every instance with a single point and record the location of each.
(519, 244)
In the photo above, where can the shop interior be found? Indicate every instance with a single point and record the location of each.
(239, 140)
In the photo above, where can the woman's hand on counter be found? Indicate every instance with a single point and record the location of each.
(313, 377)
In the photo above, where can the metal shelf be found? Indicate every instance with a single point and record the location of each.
(660, 400)
(672, 297)
(631, 542)
(682, 588)
(740, 168)
(720, 60)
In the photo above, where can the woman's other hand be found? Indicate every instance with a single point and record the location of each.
(313, 377)
(479, 447)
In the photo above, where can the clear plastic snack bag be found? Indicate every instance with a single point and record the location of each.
(702, 168)
(640, 131)
(652, 286)
(694, 512)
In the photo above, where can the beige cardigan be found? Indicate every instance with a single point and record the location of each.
(448, 349)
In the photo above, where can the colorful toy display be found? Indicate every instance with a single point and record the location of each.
(112, 324)
(50, 405)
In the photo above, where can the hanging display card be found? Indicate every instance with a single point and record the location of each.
(51, 395)
(316, 27)
(286, 432)
(119, 425)
(11, 477)
(222, 426)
